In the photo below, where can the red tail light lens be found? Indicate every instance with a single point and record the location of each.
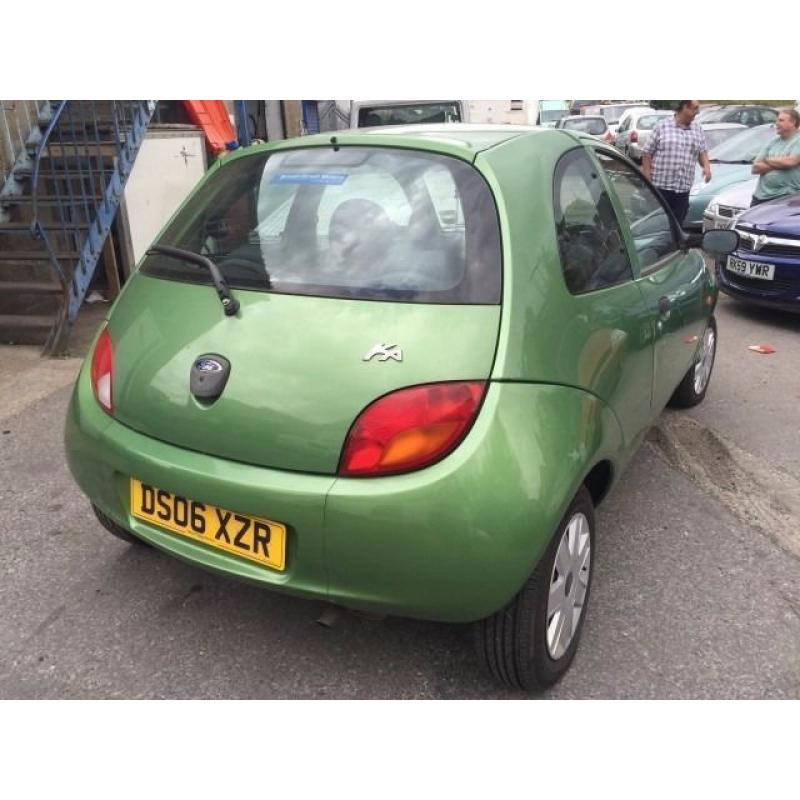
(411, 428)
(634, 137)
(102, 371)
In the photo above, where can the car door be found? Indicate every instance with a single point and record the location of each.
(671, 279)
(607, 349)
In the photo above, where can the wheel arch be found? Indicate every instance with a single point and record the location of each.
(598, 481)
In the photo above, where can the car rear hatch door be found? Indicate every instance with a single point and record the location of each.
(352, 283)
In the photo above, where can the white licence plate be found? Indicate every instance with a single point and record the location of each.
(751, 269)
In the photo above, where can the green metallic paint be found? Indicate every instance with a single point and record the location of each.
(103, 454)
(606, 348)
(384, 544)
(298, 379)
(571, 388)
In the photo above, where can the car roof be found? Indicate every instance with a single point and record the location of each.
(461, 139)
(721, 126)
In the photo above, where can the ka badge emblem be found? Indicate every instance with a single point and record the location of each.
(384, 352)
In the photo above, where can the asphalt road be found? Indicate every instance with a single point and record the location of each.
(696, 590)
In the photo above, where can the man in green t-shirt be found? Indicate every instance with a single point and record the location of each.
(778, 163)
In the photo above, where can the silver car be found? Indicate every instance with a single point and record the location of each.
(613, 112)
(718, 132)
(725, 207)
(593, 125)
(634, 131)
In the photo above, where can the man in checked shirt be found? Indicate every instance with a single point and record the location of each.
(670, 155)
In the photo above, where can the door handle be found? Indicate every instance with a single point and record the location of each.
(664, 306)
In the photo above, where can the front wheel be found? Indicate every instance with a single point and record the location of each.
(692, 389)
(531, 642)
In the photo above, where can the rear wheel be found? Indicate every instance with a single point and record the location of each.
(531, 642)
(116, 530)
(692, 389)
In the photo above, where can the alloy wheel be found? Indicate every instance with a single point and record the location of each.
(568, 584)
(705, 361)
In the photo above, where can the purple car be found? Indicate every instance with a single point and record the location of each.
(765, 267)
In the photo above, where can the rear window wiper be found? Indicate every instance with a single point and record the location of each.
(739, 161)
(229, 303)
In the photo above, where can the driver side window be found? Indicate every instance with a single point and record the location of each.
(590, 243)
(651, 228)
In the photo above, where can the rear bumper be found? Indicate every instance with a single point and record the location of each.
(453, 542)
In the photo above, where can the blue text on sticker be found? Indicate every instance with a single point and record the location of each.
(323, 178)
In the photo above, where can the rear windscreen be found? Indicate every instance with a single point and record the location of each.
(592, 125)
(649, 122)
(368, 223)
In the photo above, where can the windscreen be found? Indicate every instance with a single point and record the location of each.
(717, 136)
(592, 125)
(372, 116)
(649, 122)
(366, 223)
(744, 146)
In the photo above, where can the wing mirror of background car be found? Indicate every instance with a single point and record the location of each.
(718, 243)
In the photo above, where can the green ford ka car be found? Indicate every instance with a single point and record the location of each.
(396, 370)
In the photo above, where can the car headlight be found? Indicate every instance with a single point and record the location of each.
(713, 208)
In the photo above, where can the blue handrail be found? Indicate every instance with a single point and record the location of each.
(88, 177)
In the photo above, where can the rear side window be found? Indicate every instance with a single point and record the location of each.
(590, 243)
(767, 115)
(367, 223)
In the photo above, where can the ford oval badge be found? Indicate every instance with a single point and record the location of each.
(208, 365)
(208, 376)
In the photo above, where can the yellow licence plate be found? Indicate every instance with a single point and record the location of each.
(253, 538)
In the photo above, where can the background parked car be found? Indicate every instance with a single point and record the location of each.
(612, 112)
(718, 132)
(730, 163)
(634, 130)
(765, 267)
(593, 125)
(750, 116)
(725, 208)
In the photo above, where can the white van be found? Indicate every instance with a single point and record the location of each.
(373, 113)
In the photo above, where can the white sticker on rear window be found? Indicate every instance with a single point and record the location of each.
(320, 178)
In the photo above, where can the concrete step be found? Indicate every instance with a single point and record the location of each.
(28, 287)
(37, 255)
(28, 321)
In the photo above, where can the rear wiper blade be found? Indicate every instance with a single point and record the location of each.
(229, 303)
(740, 161)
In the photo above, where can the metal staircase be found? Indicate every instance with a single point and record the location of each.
(56, 210)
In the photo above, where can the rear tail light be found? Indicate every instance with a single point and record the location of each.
(411, 428)
(103, 371)
(634, 137)
(609, 136)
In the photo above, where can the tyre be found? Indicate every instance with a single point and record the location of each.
(115, 529)
(531, 642)
(692, 389)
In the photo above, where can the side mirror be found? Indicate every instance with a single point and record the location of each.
(718, 242)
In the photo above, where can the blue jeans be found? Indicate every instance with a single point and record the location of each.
(677, 201)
